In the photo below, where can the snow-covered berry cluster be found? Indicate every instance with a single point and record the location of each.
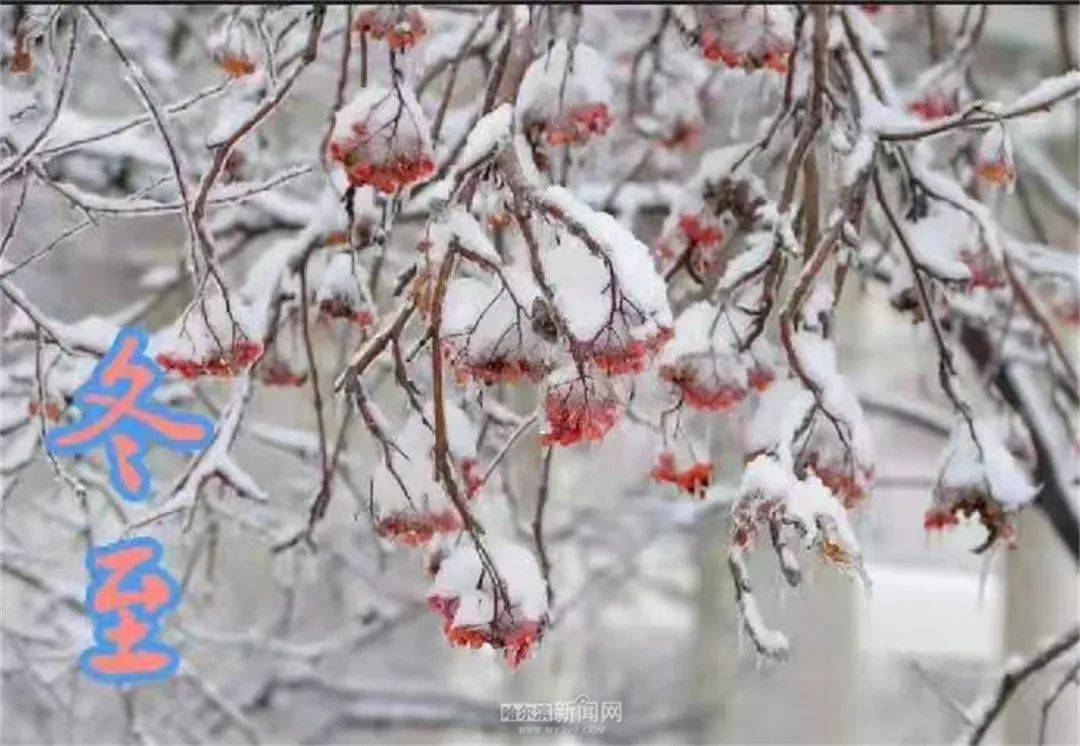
(382, 138)
(401, 27)
(476, 612)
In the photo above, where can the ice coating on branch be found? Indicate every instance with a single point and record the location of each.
(566, 97)
(382, 138)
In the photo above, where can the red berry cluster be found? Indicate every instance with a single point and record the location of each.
(398, 171)
(990, 515)
(842, 482)
(52, 410)
(692, 481)
(999, 173)
(935, 105)
(223, 364)
(684, 136)
(774, 58)
(574, 420)
(718, 398)
(473, 477)
(760, 377)
(748, 515)
(699, 232)
(339, 308)
(984, 274)
(488, 372)
(515, 638)
(1068, 311)
(236, 66)
(279, 374)
(415, 529)
(400, 30)
(627, 359)
(579, 124)
(21, 61)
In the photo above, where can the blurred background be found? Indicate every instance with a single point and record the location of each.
(336, 646)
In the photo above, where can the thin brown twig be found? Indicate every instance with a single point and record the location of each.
(1013, 677)
(16, 165)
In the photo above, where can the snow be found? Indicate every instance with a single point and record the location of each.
(458, 224)
(558, 80)
(638, 279)
(392, 122)
(805, 500)
(817, 357)
(780, 410)
(339, 282)
(490, 134)
(717, 164)
(460, 574)
(692, 333)
(485, 322)
(859, 159)
(997, 469)
(580, 282)
(937, 240)
(1045, 91)
(411, 459)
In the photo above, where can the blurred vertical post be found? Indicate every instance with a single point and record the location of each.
(1041, 600)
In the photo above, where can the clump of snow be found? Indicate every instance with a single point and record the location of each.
(994, 472)
(382, 138)
(456, 223)
(980, 476)
(565, 94)
(818, 514)
(490, 134)
(637, 276)
(487, 331)
(938, 239)
(747, 36)
(474, 614)
(705, 363)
